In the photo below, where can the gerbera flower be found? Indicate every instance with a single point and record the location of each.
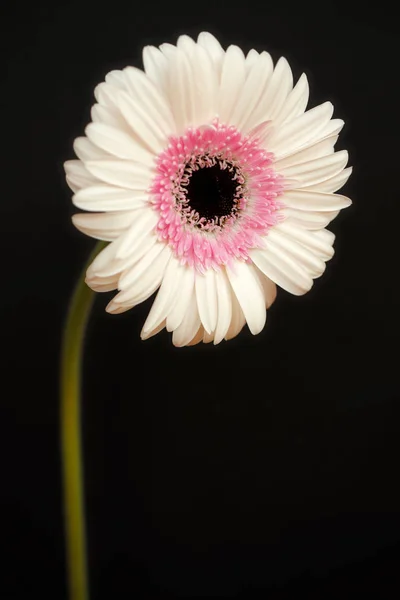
(211, 182)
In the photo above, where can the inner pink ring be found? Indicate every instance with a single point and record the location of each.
(259, 208)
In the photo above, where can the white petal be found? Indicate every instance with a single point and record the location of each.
(301, 131)
(116, 309)
(332, 215)
(142, 226)
(332, 127)
(316, 171)
(103, 226)
(138, 252)
(251, 59)
(232, 82)
(106, 197)
(107, 110)
(145, 91)
(116, 79)
(238, 320)
(181, 90)
(308, 219)
(281, 269)
(327, 237)
(108, 116)
(280, 85)
(186, 331)
(249, 294)
(206, 294)
(148, 130)
(122, 173)
(106, 284)
(156, 67)
(205, 83)
(117, 143)
(268, 286)
(328, 131)
(108, 287)
(176, 315)
(249, 97)
(186, 44)
(333, 184)
(295, 103)
(168, 50)
(288, 245)
(85, 150)
(160, 327)
(105, 94)
(198, 337)
(309, 200)
(166, 296)
(105, 263)
(207, 337)
(100, 266)
(78, 176)
(213, 47)
(319, 241)
(322, 148)
(261, 132)
(224, 302)
(133, 273)
(145, 286)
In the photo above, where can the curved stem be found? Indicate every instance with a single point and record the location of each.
(71, 448)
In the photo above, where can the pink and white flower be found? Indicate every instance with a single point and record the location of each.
(211, 182)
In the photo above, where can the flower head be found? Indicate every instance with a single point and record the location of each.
(212, 183)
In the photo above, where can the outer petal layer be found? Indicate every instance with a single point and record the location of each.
(208, 287)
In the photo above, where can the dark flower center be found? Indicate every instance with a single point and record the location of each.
(212, 192)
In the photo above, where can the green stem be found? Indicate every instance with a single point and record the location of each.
(71, 448)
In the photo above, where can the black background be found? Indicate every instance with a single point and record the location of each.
(264, 467)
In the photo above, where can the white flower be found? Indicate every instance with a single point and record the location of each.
(211, 182)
